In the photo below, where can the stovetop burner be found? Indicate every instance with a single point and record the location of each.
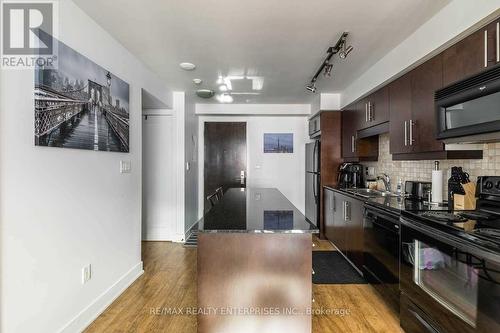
(475, 215)
(488, 232)
(444, 216)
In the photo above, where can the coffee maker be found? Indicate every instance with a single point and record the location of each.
(350, 175)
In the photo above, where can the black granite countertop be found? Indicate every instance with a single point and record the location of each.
(255, 210)
(393, 204)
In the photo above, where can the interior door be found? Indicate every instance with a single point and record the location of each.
(225, 156)
(158, 178)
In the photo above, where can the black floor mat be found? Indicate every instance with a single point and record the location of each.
(330, 267)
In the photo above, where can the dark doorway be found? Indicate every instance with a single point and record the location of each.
(225, 156)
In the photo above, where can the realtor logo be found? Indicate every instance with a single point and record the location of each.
(28, 33)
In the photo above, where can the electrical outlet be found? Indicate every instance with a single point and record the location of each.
(125, 166)
(86, 273)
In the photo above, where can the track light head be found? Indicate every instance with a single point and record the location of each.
(311, 87)
(328, 70)
(345, 51)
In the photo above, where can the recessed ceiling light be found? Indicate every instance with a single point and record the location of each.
(205, 93)
(187, 66)
(197, 81)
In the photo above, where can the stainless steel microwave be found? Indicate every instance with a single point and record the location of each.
(469, 111)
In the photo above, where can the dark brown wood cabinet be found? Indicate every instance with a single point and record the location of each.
(330, 127)
(344, 224)
(400, 114)
(493, 43)
(472, 54)
(355, 149)
(464, 58)
(350, 123)
(425, 80)
(376, 108)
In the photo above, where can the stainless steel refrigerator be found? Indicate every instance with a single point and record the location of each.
(313, 181)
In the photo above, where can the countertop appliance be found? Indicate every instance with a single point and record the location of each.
(467, 111)
(417, 190)
(381, 252)
(450, 266)
(350, 175)
(313, 179)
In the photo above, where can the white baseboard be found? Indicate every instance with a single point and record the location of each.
(91, 312)
(162, 235)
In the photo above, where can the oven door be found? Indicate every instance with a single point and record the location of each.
(454, 283)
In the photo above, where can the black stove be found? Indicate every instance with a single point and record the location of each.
(481, 225)
(450, 266)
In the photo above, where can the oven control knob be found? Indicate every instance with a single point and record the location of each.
(488, 185)
(498, 185)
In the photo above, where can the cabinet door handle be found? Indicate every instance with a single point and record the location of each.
(406, 133)
(370, 113)
(485, 48)
(366, 112)
(411, 123)
(353, 148)
(333, 203)
(498, 41)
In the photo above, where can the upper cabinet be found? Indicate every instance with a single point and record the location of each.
(376, 107)
(472, 54)
(400, 115)
(425, 80)
(350, 125)
(353, 147)
(373, 109)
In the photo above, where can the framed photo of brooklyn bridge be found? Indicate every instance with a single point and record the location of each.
(79, 104)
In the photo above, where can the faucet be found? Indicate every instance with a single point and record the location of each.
(387, 181)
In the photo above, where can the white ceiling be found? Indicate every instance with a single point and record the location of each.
(281, 41)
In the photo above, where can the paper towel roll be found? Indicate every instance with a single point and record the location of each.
(437, 186)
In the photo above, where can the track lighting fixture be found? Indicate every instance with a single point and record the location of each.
(311, 87)
(341, 49)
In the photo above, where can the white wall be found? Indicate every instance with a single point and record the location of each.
(286, 172)
(253, 109)
(62, 208)
(454, 21)
(191, 167)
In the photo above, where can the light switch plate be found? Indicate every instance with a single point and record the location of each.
(125, 167)
(86, 273)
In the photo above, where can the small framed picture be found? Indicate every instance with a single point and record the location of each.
(278, 143)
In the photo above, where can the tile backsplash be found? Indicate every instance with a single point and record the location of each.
(422, 170)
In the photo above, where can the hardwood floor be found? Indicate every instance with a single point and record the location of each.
(169, 282)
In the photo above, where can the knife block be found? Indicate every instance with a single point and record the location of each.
(466, 201)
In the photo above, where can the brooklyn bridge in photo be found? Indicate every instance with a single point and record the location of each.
(80, 105)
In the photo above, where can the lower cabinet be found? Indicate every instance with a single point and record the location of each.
(344, 224)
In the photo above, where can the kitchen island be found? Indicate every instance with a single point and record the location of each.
(254, 264)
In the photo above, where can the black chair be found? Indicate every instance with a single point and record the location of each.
(213, 198)
(220, 192)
